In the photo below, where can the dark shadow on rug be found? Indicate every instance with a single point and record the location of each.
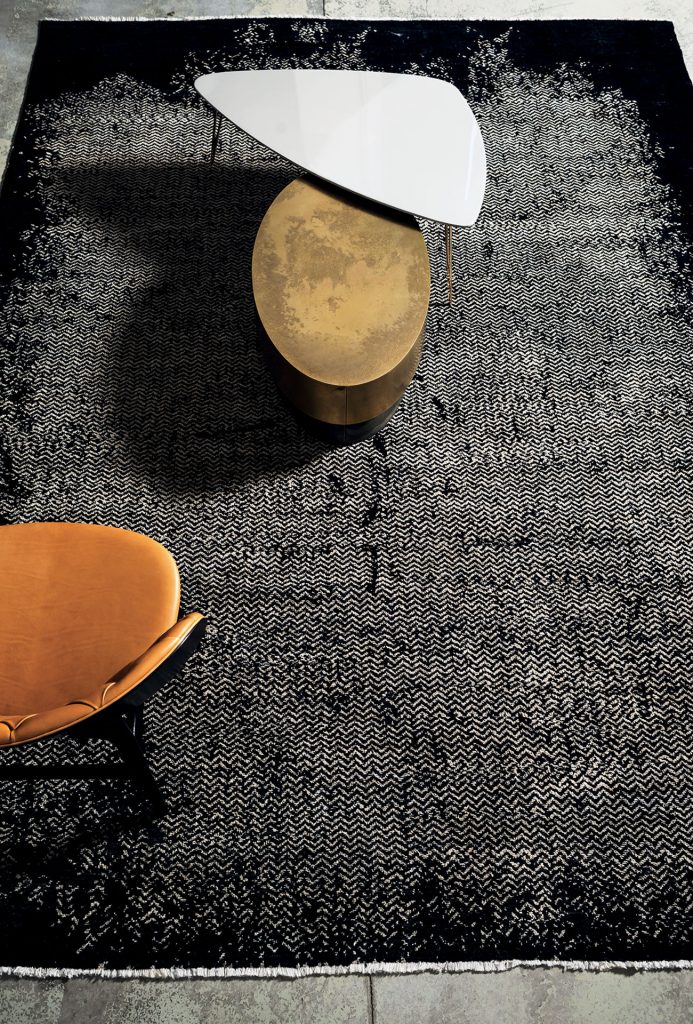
(187, 303)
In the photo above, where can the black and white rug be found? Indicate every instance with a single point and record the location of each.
(444, 710)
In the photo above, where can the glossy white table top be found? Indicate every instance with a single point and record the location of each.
(408, 142)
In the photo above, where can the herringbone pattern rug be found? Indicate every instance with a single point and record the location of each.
(444, 708)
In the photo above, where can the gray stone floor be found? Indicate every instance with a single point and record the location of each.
(539, 996)
(516, 997)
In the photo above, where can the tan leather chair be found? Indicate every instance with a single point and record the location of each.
(89, 630)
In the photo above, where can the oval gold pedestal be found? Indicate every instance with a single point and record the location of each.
(341, 287)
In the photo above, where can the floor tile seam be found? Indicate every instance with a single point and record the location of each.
(369, 999)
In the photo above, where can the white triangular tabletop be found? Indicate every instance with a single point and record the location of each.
(406, 141)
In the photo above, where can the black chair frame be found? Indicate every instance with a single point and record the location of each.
(121, 724)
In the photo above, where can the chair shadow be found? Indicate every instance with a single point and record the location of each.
(185, 382)
(55, 850)
(78, 777)
(52, 835)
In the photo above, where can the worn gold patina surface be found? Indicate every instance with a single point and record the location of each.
(342, 289)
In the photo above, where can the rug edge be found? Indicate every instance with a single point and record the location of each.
(365, 969)
(357, 969)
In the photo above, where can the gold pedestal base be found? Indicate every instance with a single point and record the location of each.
(341, 287)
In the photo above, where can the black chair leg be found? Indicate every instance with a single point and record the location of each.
(124, 733)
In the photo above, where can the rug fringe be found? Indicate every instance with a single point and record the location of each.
(459, 967)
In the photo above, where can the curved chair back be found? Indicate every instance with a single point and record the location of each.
(86, 613)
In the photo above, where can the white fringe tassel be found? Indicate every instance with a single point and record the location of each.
(459, 967)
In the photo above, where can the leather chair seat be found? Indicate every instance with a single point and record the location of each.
(86, 614)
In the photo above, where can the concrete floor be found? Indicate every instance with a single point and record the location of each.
(517, 997)
(539, 996)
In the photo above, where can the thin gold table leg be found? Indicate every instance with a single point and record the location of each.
(448, 256)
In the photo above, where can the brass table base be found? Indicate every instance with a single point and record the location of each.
(341, 287)
(340, 435)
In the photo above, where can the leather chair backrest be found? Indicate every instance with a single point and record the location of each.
(77, 603)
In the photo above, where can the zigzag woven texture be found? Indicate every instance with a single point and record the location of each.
(444, 707)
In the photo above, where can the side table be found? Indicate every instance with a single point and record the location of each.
(341, 287)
